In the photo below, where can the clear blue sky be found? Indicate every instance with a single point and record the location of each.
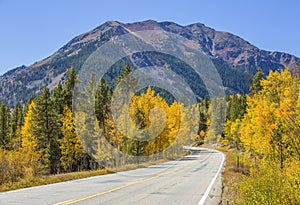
(31, 30)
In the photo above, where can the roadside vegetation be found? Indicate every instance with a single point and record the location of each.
(262, 134)
(41, 144)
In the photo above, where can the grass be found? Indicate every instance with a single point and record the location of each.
(31, 181)
(230, 177)
(50, 179)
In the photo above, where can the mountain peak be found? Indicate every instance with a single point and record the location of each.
(231, 54)
(143, 25)
(112, 23)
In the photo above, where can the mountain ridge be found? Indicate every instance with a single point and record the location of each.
(230, 51)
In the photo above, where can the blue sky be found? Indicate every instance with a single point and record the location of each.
(33, 29)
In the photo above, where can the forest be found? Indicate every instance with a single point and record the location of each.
(263, 130)
(49, 135)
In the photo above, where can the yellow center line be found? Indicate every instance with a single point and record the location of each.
(124, 186)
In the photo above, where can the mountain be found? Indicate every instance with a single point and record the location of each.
(235, 59)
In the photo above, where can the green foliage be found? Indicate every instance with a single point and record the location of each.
(255, 84)
(233, 79)
(4, 124)
(268, 134)
(58, 98)
(263, 127)
(47, 130)
(236, 107)
(102, 102)
(69, 88)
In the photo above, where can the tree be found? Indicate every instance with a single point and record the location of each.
(236, 107)
(102, 102)
(218, 116)
(269, 133)
(4, 125)
(17, 121)
(86, 122)
(157, 123)
(255, 84)
(123, 74)
(30, 141)
(69, 88)
(72, 152)
(47, 129)
(139, 120)
(267, 128)
(58, 99)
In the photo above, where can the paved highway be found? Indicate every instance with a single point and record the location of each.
(194, 179)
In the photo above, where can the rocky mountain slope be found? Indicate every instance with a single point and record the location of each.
(235, 59)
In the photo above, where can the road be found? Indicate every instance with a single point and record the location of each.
(194, 179)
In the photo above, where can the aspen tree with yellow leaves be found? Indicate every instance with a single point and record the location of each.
(72, 152)
(269, 133)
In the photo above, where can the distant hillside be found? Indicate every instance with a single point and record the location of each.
(235, 59)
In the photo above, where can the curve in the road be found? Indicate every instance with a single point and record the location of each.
(188, 180)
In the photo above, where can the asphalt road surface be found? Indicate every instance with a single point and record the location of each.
(194, 179)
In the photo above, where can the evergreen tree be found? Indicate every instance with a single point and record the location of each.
(58, 98)
(255, 85)
(86, 121)
(126, 86)
(218, 117)
(123, 74)
(69, 88)
(17, 121)
(4, 125)
(31, 98)
(47, 130)
(236, 107)
(102, 102)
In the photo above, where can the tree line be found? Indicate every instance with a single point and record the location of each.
(50, 135)
(263, 127)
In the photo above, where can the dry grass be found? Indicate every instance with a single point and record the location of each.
(230, 178)
(50, 179)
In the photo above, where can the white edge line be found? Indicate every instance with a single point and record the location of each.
(203, 199)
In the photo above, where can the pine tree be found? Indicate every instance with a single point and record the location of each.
(102, 103)
(255, 85)
(4, 125)
(47, 130)
(31, 98)
(86, 122)
(236, 107)
(126, 86)
(123, 74)
(58, 98)
(17, 121)
(69, 88)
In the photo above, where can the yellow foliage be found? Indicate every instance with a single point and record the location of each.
(159, 122)
(270, 134)
(29, 141)
(70, 145)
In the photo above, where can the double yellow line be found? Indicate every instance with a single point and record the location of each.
(73, 201)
